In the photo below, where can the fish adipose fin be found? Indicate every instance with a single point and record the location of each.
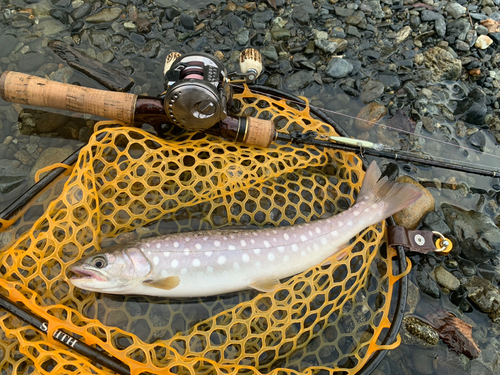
(168, 283)
(388, 197)
(266, 284)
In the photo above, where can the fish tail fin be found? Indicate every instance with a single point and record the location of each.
(391, 196)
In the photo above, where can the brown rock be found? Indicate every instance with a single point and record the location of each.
(410, 217)
(369, 115)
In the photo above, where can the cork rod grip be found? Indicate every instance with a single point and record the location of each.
(27, 89)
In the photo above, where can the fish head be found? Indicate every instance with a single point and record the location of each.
(114, 270)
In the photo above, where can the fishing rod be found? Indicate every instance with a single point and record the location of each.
(68, 340)
(198, 96)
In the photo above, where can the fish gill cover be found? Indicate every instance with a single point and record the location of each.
(326, 320)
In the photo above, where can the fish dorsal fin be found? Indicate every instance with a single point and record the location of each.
(166, 283)
(266, 284)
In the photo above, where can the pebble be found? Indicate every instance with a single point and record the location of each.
(484, 296)
(416, 332)
(338, 68)
(105, 15)
(446, 278)
(372, 90)
(442, 64)
(483, 42)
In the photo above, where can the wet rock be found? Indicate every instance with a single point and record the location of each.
(477, 234)
(24, 157)
(326, 45)
(467, 267)
(372, 90)
(82, 11)
(446, 278)
(483, 294)
(269, 52)
(30, 62)
(343, 12)
(412, 297)
(428, 15)
(416, 332)
(458, 28)
(410, 216)
(442, 64)
(455, 10)
(7, 44)
(440, 27)
(299, 80)
(300, 15)
(143, 26)
(473, 108)
(478, 140)
(435, 222)
(187, 22)
(426, 283)
(369, 115)
(338, 68)
(105, 15)
(280, 33)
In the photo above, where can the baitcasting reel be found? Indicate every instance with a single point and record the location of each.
(197, 97)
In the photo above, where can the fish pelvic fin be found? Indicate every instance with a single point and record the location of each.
(266, 284)
(167, 283)
(389, 196)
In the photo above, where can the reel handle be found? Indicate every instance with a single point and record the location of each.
(32, 90)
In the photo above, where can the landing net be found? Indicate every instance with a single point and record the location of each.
(128, 184)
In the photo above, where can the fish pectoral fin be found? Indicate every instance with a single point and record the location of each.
(167, 283)
(266, 284)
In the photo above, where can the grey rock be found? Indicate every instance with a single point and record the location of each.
(455, 9)
(353, 30)
(187, 22)
(446, 278)
(105, 15)
(376, 8)
(338, 68)
(484, 295)
(275, 81)
(467, 267)
(426, 283)
(280, 33)
(307, 5)
(100, 39)
(473, 108)
(343, 12)
(428, 15)
(355, 19)
(372, 90)
(412, 297)
(31, 61)
(299, 80)
(477, 234)
(7, 44)
(390, 81)
(270, 52)
(440, 27)
(24, 157)
(300, 15)
(460, 45)
(81, 11)
(459, 28)
(326, 45)
(242, 37)
(436, 222)
(442, 65)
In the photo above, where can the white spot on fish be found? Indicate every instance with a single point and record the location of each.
(208, 253)
(174, 263)
(243, 243)
(303, 253)
(350, 223)
(324, 241)
(341, 224)
(210, 269)
(268, 234)
(295, 247)
(236, 266)
(166, 254)
(164, 273)
(148, 245)
(255, 234)
(309, 249)
(275, 231)
(158, 245)
(318, 230)
(335, 233)
(315, 246)
(224, 238)
(245, 257)
(252, 241)
(176, 244)
(187, 251)
(281, 249)
(286, 258)
(267, 244)
(303, 238)
(156, 260)
(257, 264)
(184, 271)
(231, 247)
(270, 256)
(231, 237)
(256, 251)
(216, 243)
(196, 262)
(198, 246)
(221, 260)
(205, 238)
(286, 236)
(142, 249)
(188, 239)
(356, 213)
(311, 233)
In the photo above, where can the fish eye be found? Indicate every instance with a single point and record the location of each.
(99, 262)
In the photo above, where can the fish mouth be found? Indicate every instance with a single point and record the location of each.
(83, 273)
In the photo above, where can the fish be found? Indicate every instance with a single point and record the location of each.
(213, 262)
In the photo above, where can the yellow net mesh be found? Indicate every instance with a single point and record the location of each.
(128, 184)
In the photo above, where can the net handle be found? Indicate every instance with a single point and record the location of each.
(28, 89)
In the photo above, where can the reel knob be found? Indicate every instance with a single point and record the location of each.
(251, 63)
(169, 60)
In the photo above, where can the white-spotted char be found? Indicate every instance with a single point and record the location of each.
(214, 262)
